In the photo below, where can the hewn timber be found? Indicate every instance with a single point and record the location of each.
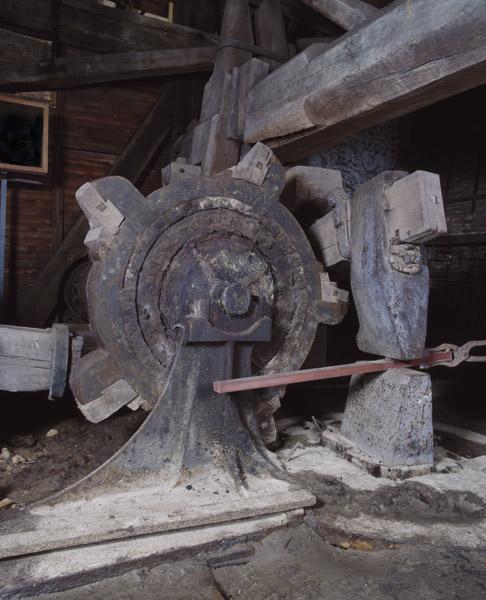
(98, 28)
(415, 54)
(348, 14)
(84, 70)
(16, 47)
(219, 119)
(32, 17)
(236, 26)
(40, 303)
(27, 358)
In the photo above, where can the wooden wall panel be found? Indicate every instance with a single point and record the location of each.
(103, 118)
(98, 123)
(81, 166)
(29, 234)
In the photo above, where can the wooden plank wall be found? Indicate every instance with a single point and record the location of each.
(90, 127)
(98, 123)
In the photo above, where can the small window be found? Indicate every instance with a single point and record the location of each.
(24, 135)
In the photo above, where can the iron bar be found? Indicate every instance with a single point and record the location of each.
(332, 372)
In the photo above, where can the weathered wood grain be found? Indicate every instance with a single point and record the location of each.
(104, 29)
(32, 360)
(415, 54)
(348, 14)
(25, 358)
(97, 28)
(85, 70)
(34, 17)
(269, 29)
(236, 26)
(19, 48)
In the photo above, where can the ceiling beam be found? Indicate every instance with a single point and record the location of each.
(97, 28)
(415, 54)
(348, 14)
(86, 70)
(16, 47)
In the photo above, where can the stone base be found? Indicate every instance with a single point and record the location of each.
(388, 417)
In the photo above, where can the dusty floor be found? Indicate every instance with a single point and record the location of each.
(298, 563)
(312, 560)
(33, 466)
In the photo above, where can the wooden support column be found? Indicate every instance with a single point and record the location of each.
(415, 54)
(348, 14)
(42, 298)
(215, 142)
(236, 27)
(270, 29)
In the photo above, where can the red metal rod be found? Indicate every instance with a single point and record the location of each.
(371, 366)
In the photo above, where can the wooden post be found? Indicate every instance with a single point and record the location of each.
(215, 140)
(236, 27)
(270, 29)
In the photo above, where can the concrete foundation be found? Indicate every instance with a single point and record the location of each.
(388, 416)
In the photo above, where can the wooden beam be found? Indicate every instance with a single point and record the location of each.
(415, 54)
(85, 70)
(348, 14)
(39, 304)
(105, 30)
(17, 48)
(97, 28)
(32, 17)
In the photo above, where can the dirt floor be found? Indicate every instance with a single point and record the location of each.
(298, 563)
(34, 465)
(311, 560)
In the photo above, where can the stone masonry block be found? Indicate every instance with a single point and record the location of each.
(388, 416)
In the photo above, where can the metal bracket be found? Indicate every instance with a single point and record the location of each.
(461, 354)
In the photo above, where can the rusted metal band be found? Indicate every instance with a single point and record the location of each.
(372, 366)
